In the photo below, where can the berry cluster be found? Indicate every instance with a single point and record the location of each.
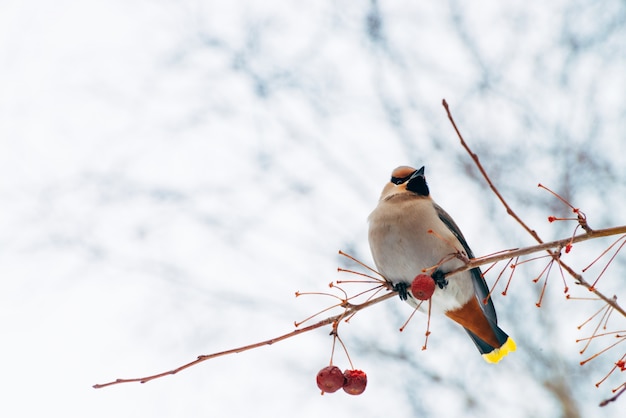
(330, 379)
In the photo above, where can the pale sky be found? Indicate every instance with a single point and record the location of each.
(172, 172)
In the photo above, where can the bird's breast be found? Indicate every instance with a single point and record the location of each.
(407, 238)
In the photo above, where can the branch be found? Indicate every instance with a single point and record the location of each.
(555, 255)
(350, 309)
(558, 244)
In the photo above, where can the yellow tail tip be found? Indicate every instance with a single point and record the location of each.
(497, 354)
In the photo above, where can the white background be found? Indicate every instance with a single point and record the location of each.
(171, 172)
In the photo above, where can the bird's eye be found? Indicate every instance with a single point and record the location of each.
(401, 174)
(396, 180)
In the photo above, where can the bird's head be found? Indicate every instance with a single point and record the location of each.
(406, 179)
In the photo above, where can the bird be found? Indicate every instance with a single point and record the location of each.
(409, 234)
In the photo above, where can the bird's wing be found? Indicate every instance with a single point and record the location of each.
(480, 285)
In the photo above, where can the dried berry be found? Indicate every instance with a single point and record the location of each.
(355, 382)
(330, 379)
(423, 287)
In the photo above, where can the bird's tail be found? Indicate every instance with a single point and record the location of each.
(494, 353)
(492, 342)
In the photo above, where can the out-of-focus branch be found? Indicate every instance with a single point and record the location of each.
(350, 309)
(614, 398)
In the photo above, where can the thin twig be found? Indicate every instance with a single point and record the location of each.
(350, 310)
(614, 398)
(555, 255)
(557, 244)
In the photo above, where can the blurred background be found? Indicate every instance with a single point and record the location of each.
(171, 172)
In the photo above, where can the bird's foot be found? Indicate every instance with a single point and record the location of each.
(402, 289)
(440, 279)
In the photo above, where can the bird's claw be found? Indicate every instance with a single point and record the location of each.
(440, 279)
(402, 289)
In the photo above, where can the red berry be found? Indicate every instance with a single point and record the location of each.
(330, 379)
(423, 287)
(356, 380)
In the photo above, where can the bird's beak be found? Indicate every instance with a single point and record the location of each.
(417, 183)
(418, 173)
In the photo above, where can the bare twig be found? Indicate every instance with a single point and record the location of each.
(556, 255)
(580, 280)
(558, 244)
(350, 309)
(614, 398)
